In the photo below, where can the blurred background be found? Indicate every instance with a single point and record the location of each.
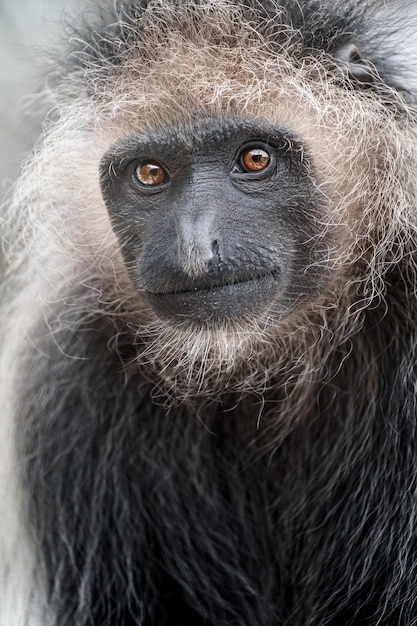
(29, 30)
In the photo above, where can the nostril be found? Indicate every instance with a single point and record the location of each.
(215, 261)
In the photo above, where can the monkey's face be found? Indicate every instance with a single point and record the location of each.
(217, 219)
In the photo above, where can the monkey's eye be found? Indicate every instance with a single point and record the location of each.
(150, 173)
(254, 159)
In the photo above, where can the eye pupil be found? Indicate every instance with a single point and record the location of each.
(255, 159)
(150, 174)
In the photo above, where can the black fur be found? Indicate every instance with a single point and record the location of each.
(157, 517)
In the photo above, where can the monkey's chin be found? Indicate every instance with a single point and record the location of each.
(217, 305)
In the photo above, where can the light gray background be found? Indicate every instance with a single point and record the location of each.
(28, 28)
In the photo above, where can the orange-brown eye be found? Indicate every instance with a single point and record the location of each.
(255, 159)
(150, 174)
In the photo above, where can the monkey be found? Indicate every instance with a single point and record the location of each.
(209, 322)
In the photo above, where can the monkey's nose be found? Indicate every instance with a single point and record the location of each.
(215, 261)
(199, 258)
(198, 251)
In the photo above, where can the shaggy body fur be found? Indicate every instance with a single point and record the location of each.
(261, 473)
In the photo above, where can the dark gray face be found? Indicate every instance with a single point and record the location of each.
(216, 220)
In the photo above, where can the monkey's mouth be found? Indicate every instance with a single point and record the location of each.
(223, 301)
